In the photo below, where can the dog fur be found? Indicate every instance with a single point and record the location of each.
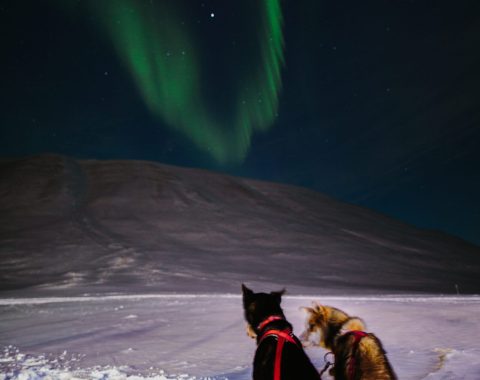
(330, 327)
(295, 365)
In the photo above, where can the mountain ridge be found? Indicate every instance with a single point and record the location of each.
(79, 224)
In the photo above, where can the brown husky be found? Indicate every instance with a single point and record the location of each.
(358, 355)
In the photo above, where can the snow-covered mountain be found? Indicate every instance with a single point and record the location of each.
(79, 225)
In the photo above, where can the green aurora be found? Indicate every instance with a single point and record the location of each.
(165, 64)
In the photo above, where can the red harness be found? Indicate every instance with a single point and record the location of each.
(351, 367)
(272, 318)
(282, 336)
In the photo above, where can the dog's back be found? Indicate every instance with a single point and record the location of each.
(361, 359)
(295, 364)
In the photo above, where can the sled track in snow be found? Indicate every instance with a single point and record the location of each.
(473, 299)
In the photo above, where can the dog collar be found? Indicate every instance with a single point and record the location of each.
(270, 319)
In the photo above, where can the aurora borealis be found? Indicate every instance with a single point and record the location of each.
(374, 103)
(160, 52)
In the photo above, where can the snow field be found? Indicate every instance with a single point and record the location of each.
(166, 337)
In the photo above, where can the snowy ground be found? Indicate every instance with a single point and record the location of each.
(202, 336)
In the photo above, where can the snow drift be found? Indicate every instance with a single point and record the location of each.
(141, 226)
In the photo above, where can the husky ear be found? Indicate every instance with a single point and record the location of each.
(278, 295)
(317, 308)
(247, 293)
(308, 310)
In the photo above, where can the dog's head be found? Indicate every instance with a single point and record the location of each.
(315, 324)
(323, 322)
(259, 306)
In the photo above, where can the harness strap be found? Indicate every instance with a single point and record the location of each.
(270, 319)
(278, 359)
(282, 337)
(358, 335)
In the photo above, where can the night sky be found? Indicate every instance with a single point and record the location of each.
(372, 102)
